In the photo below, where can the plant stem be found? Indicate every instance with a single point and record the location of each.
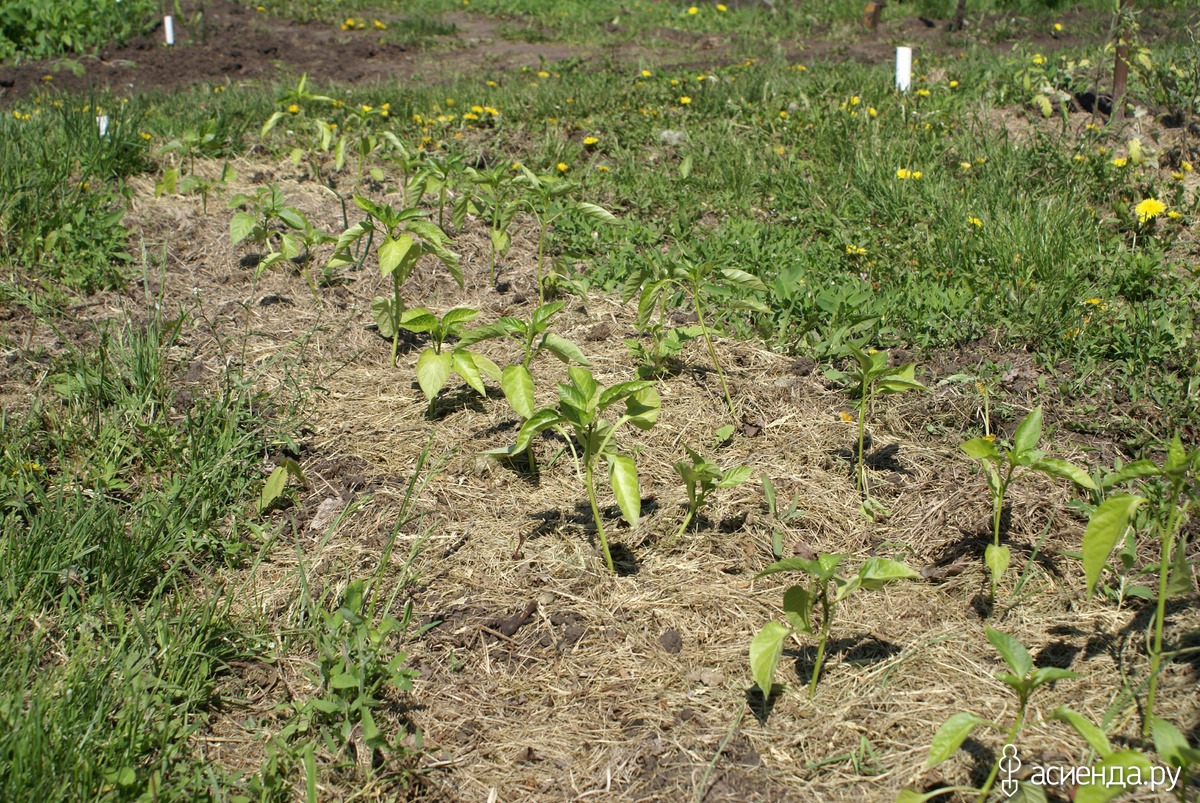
(1012, 735)
(686, 521)
(712, 352)
(862, 415)
(591, 489)
(1167, 541)
(541, 245)
(816, 673)
(396, 318)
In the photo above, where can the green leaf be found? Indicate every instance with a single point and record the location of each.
(418, 319)
(464, 366)
(582, 381)
(1064, 469)
(1029, 432)
(392, 253)
(1012, 651)
(797, 607)
(1179, 581)
(293, 218)
(485, 332)
(381, 313)
(619, 391)
(743, 280)
(643, 407)
(458, 315)
(950, 737)
(433, 370)
(1134, 471)
(846, 587)
(241, 226)
(685, 167)
(542, 315)
(1084, 727)
(1172, 745)
(486, 367)
(734, 477)
(517, 384)
(500, 241)
(1177, 457)
(597, 214)
(878, 572)
(1106, 526)
(1099, 792)
(765, 651)
(540, 420)
(343, 680)
(981, 449)
(792, 565)
(1050, 674)
(622, 474)
(564, 349)
(997, 559)
(273, 489)
(370, 732)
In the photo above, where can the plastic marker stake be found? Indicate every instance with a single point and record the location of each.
(903, 68)
(102, 122)
(169, 25)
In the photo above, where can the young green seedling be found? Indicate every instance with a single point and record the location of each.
(874, 376)
(407, 237)
(493, 195)
(798, 602)
(438, 174)
(699, 282)
(1174, 484)
(437, 362)
(266, 205)
(1023, 679)
(655, 357)
(545, 197)
(1003, 465)
(701, 477)
(779, 515)
(516, 380)
(298, 247)
(581, 408)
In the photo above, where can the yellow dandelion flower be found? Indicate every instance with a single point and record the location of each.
(492, 84)
(646, 73)
(1058, 27)
(976, 222)
(964, 166)
(693, 10)
(293, 109)
(1039, 59)
(845, 416)
(590, 141)
(603, 168)
(917, 174)
(1177, 176)
(685, 100)
(990, 438)
(954, 84)
(903, 173)
(923, 92)
(1120, 161)
(1186, 167)
(543, 74)
(783, 115)
(144, 136)
(855, 100)
(1174, 215)
(871, 111)
(562, 167)
(1095, 302)
(381, 26)
(722, 8)
(1149, 209)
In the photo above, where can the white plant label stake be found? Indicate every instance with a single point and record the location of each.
(169, 26)
(903, 68)
(102, 122)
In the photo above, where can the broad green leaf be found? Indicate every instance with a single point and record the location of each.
(997, 559)
(981, 449)
(877, 572)
(293, 218)
(1177, 457)
(827, 564)
(743, 280)
(241, 226)
(1106, 526)
(1172, 745)
(343, 680)
(517, 384)
(1012, 651)
(392, 253)
(370, 732)
(486, 367)
(642, 407)
(433, 370)
(540, 420)
(564, 349)
(1028, 793)
(572, 398)
(500, 241)
(542, 315)
(622, 474)
(349, 237)
(1084, 727)
(765, 652)
(950, 737)
(734, 477)
(582, 380)
(1101, 793)
(464, 366)
(769, 493)
(458, 315)
(273, 488)
(596, 213)
(1179, 581)
(619, 391)
(485, 332)
(846, 587)
(797, 607)
(1135, 470)
(1064, 469)
(381, 313)
(418, 319)
(1029, 431)
(685, 167)
(271, 121)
